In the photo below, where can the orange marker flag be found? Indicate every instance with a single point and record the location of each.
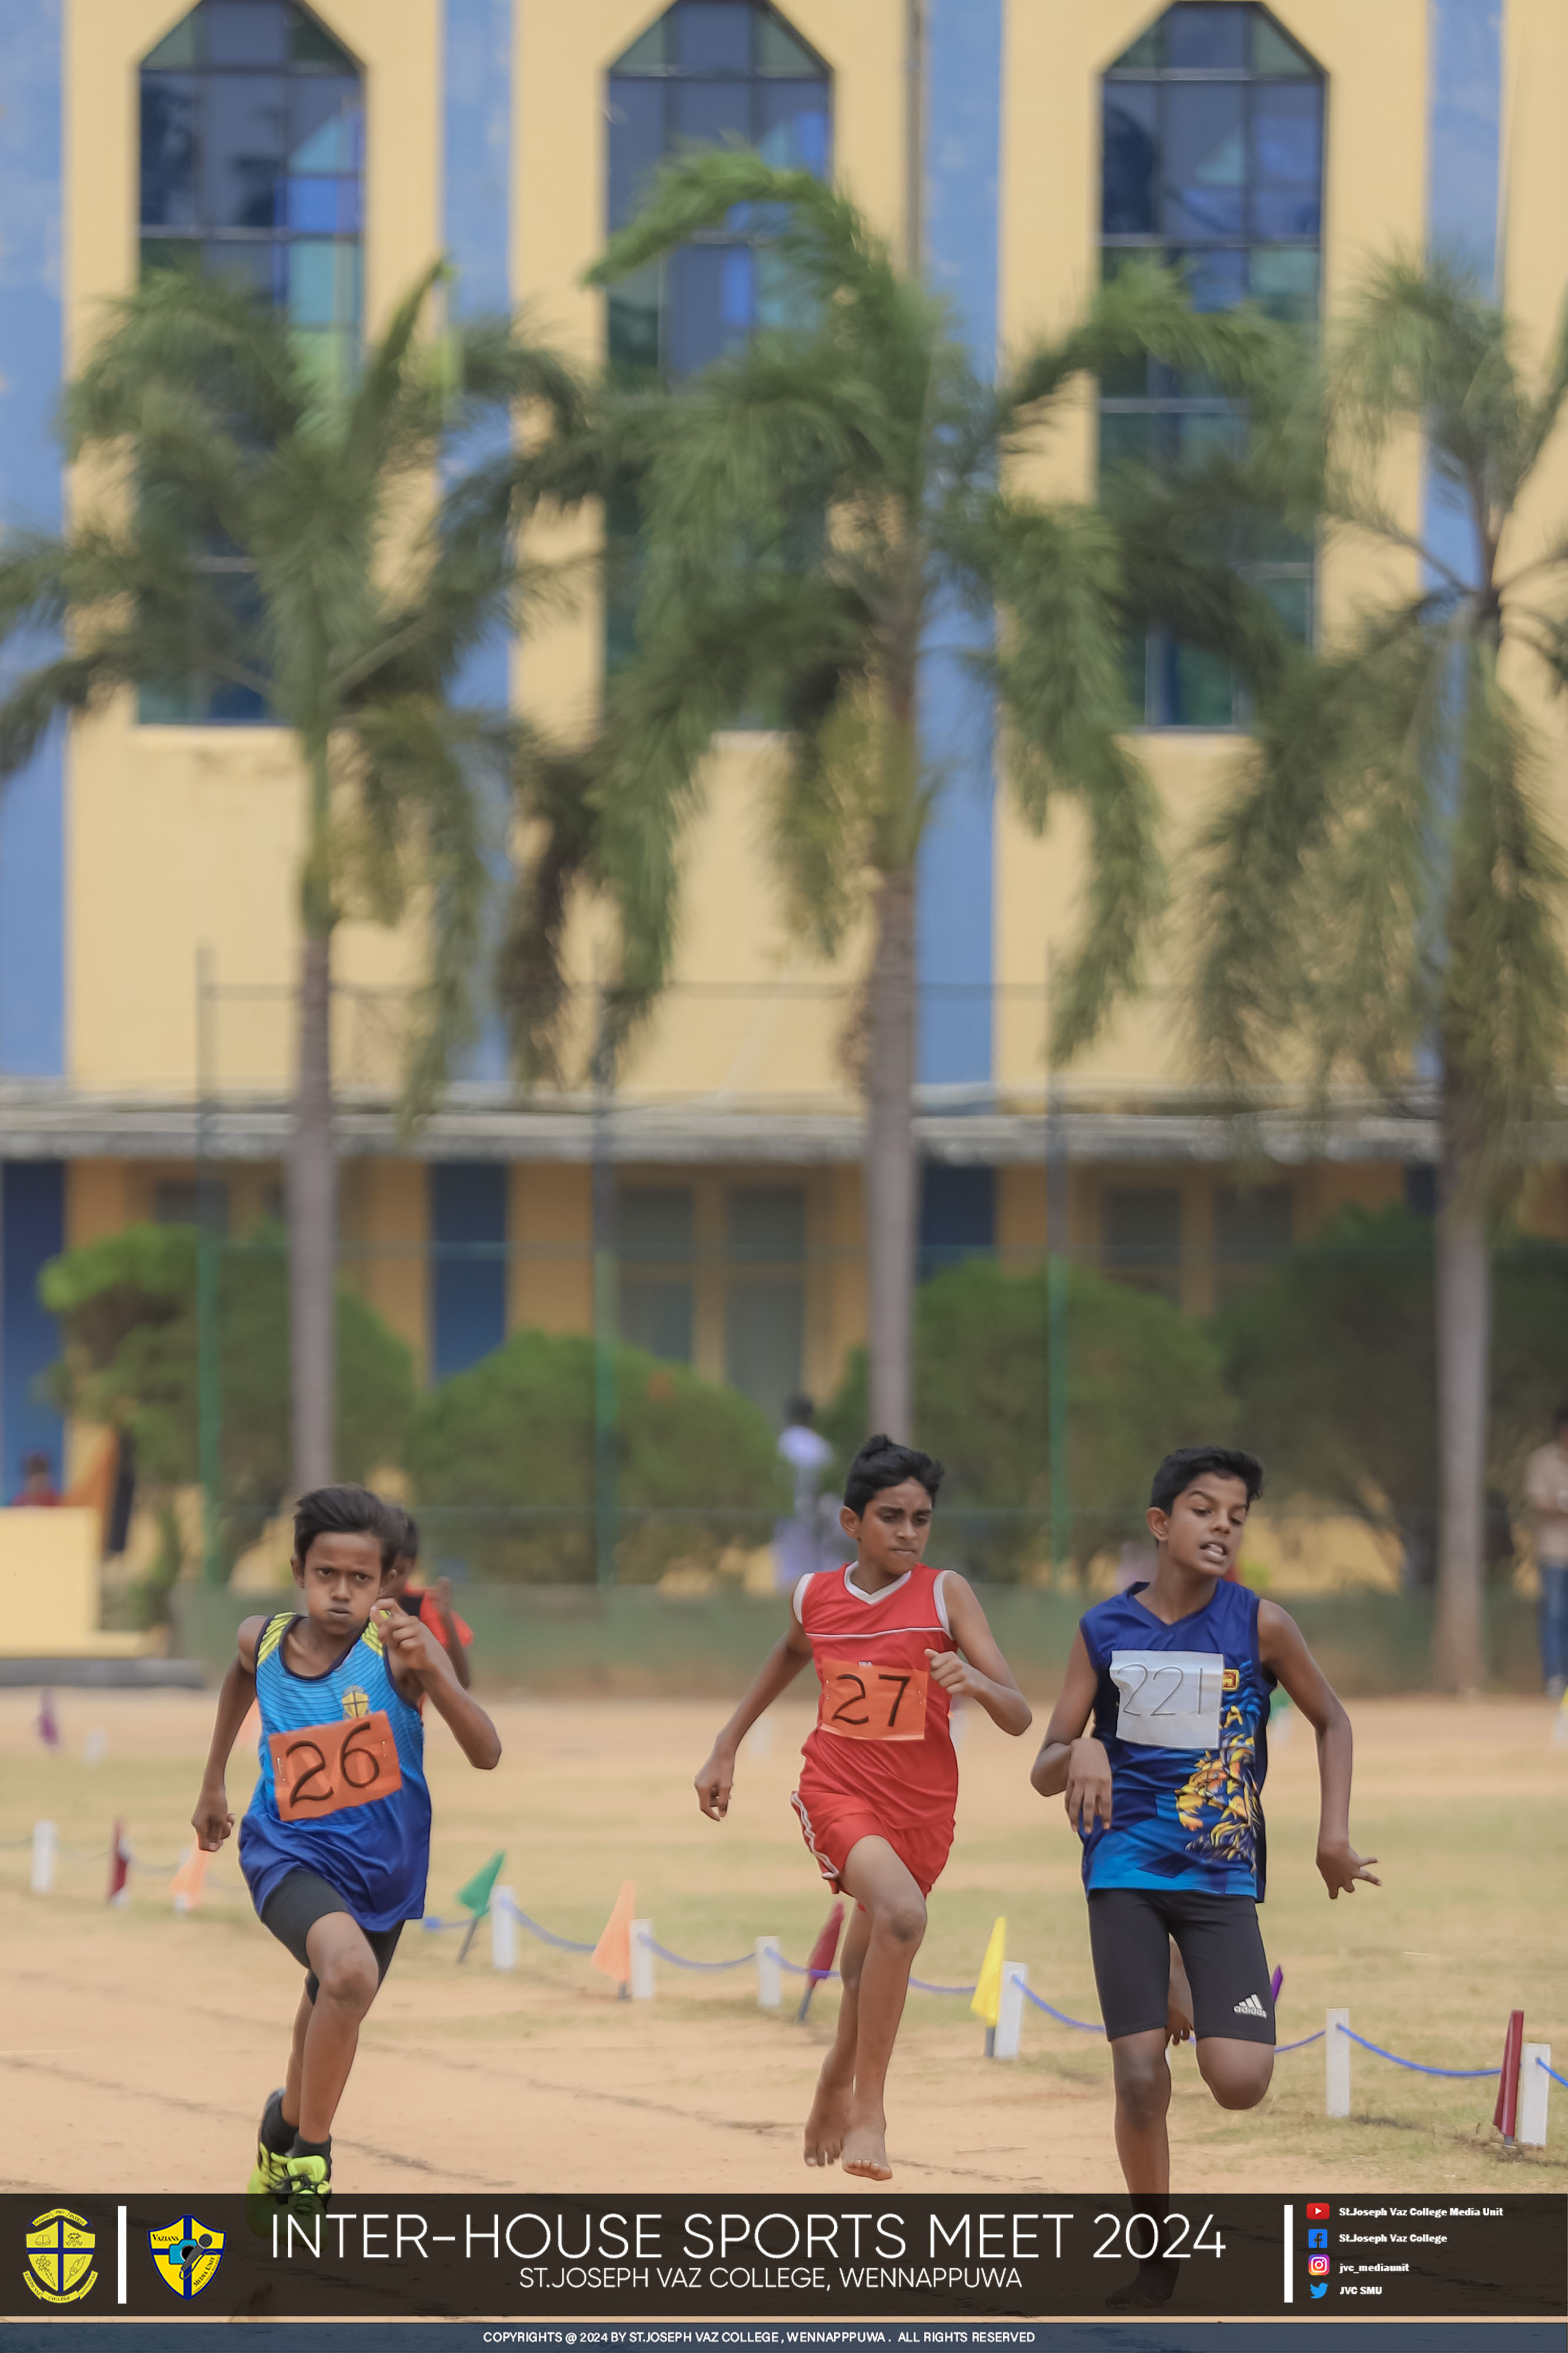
(188, 1881)
(613, 1953)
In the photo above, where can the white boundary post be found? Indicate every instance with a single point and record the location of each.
(503, 1929)
(642, 1961)
(46, 1843)
(1010, 2010)
(770, 1981)
(1336, 2064)
(1534, 2091)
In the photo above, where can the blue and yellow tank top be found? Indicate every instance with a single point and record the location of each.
(1183, 1711)
(342, 1790)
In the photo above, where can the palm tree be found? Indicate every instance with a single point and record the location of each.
(811, 508)
(1384, 893)
(257, 531)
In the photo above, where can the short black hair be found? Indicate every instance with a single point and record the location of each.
(798, 1410)
(346, 1511)
(880, 1464)
(407, 1532)
(1178, 1471)
(1560, 1417)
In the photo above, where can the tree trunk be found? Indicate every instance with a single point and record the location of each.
(891, 1171)
(313, 1226)
(1464, 1354)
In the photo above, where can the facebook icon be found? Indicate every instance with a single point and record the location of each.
(1317, 2238)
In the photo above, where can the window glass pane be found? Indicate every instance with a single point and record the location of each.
(656, 1222)
(765, 1341)
(1216, 279)
(1272, 53)
(169, 151)
(313, 207)
(1199, 434)
(1125, 380)
(1200, 690)
(1147, 51)
(1124, 438)
(1204, 158)
(703, 297)
(656, 1314)
(177, 49)
(242, 150)
(1130, 157)
(326, 124)
(635, 144)
(714, 36)
(634, 324)
(782, 301)
(169, 253)
(1287, 212)
(255, 262)
(1142, 1228)
(244, 32)
(310, 43)
(767, 1222)
(1288, 132)
(778, 51)
(792, 125)
(1252, 1223)
(1292, 600)
(1196, 37)
(323, 282)
(1285, 281)
(713, 112)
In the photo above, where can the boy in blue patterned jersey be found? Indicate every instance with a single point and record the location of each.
(1167, 1795)
(336, 1843)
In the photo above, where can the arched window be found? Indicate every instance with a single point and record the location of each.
(252, 162)
(708, 72)
(1212, 163)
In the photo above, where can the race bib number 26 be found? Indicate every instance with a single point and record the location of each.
(325, 1768)
(862, 1701)
(1168, 1699)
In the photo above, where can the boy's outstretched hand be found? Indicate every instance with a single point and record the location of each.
(212, 1820)
(1341, 1867)
(714, 1782)
(409, 1644)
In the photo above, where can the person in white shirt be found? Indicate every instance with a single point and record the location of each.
(797, 1541)
(1546, 1488)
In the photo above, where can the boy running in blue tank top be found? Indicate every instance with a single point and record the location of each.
(336, 1842)
(1166, 1794)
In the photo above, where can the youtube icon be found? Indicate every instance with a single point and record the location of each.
(1317, 2210)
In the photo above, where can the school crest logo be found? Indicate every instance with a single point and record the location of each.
(187, 2254)
(355, 1702)
(59, 2256)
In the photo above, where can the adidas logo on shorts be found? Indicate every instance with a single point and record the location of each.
(1250, 2008)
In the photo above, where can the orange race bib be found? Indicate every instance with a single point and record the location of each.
(862, 1701)
(323, 1769)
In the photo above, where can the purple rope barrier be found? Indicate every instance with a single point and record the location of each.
(1414, 2065)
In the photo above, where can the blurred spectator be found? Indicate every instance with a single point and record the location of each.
(798, 1542)
(1546, 1487)
(38, 1485)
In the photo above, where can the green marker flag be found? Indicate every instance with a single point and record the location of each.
(475, 1897)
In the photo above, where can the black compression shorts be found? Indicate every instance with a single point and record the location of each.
(302, 1898)
(1221, 1948)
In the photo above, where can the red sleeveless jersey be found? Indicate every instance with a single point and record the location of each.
(881, 1737)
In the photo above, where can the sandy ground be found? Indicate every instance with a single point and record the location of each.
(139, 2044)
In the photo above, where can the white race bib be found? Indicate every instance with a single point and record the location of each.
(1168, 1699)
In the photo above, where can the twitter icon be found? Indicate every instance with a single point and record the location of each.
(1319, 2287)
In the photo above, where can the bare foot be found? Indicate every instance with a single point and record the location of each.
(866, 2150)
(827, 2123)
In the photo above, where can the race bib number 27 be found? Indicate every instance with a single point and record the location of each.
(324, 1767)
(1168, 1699)
(862, 1701)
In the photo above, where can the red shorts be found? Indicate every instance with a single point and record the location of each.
(833, 1824)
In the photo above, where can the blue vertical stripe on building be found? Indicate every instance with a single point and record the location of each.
(32, 805)
(1464, 151)
(32, 1232)
(467, 1262)
(475, 193)
(956, 884)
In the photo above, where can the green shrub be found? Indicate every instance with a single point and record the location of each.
(1141, 1378)
(502, 1458)
(127, 1307)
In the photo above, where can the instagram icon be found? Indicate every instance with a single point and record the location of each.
(1318, 2265)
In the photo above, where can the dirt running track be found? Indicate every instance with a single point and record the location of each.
(139, 2045)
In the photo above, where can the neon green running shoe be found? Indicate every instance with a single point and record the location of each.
(270, 2176)
(309, 2184)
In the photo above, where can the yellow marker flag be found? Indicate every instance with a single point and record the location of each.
(613, 1953)
(987, 1999)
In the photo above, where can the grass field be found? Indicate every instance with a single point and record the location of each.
(139, 2044)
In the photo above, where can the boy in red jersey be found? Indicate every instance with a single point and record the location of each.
(894, 1644)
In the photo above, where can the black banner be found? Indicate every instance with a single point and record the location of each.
(529, 2258)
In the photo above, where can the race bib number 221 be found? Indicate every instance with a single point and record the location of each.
(1168, 1699)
